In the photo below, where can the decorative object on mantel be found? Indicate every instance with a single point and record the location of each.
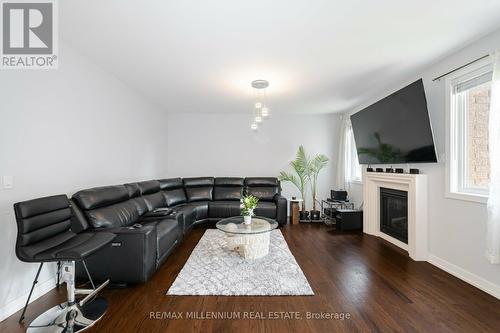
(248, 204)
(260, 110)
(412, 171)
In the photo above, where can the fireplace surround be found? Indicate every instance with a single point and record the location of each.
(416, 187)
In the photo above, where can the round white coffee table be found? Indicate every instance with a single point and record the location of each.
(251, 241)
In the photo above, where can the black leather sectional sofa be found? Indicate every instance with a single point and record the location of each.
(150, 218)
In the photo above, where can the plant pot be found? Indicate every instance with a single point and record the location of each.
(303, 215)
(315, 215)
(247, 219)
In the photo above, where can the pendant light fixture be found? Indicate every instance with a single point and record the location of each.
(260, 109)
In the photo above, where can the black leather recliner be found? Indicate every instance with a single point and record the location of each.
(271, 203)
(139, 248)
(45, 235)
(151, 217)
(226, 197)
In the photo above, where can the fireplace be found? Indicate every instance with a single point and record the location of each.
(394, 213)
(414, 187)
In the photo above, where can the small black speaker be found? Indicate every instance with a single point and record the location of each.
(379, 170)
(338, 195)
(399, 170)
(369, 169)
(389, 170)
(414, 171)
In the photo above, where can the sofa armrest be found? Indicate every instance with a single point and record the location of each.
(155, 215)
(173, 215)
(129, 258)
(281, 209)
(159, 212)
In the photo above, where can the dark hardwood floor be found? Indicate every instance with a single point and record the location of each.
(375, 283)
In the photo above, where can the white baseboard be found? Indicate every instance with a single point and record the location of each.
(462, 274)
(18, 303)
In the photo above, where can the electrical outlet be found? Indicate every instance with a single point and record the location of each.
(8, 182)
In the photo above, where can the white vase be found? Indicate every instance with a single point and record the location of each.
(247, 219)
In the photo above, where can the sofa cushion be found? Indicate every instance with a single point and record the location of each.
(222, 209)
(149, 186)
(155, 200)
(100, 196)
(168, 233)
(175, 197)
(264, 193)
(173, 191)
(228, 192)
(264, 188)
(133, 190)
(199, 193)
(170, 183)
(199, 188)
(229, 181)
(201, 208)
(266, 209)
(198, 181)
(118, 215)
(140, 203)
(261, 181)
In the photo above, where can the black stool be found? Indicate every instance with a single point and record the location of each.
(44, 235)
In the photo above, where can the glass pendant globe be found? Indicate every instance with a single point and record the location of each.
(254, 127)
(258, 119)
(265, 112)
(258, 105)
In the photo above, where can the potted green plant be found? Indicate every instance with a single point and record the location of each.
(247, 206)
(315, 166)
(299, 177)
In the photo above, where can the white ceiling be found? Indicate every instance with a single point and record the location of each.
(319, 55)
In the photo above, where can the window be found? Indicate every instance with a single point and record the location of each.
(352, 167)
(469, 170)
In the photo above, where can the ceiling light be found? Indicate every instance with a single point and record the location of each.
(265, 112)
(260, 112)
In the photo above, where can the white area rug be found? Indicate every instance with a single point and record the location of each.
(212, 269)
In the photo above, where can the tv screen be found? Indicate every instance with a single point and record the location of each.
(395, 129)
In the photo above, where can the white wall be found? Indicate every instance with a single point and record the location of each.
(223, 145)
(457, 229)
(64, 130)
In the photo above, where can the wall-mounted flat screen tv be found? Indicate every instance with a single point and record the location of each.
(395, 129)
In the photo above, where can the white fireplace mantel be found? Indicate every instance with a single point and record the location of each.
(416, 186)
